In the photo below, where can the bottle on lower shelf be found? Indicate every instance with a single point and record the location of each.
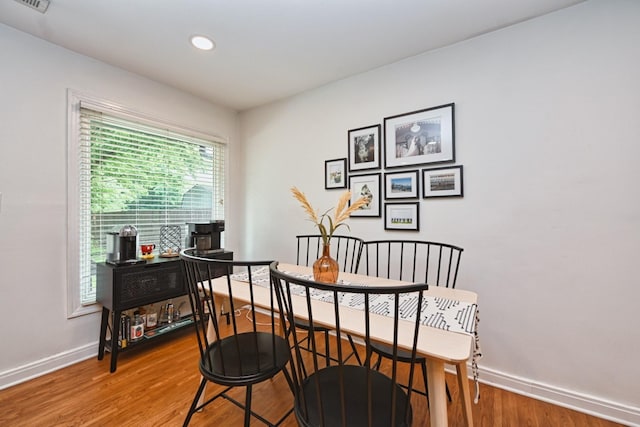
(170, 312)
(124, 330)
(137, 328)
(152, 318)
(179, 323)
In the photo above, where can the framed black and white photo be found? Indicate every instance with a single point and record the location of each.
(401, 185)
(402, 216)
(335, 173)
(442, 182)
(367, 186)
(420, 137)
(364, 148)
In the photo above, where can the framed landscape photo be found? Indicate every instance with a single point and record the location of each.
(366, 186)
(364, 148)
(401, 185)
(402, 216)
(335, 173)
(442, 182)
(420, 137)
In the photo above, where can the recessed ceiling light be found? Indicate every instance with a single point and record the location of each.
(202, 42)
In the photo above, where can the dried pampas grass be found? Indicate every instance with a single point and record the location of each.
(341, 212)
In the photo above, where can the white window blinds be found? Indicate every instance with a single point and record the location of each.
(146, 176)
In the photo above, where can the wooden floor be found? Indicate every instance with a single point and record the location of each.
(154, 386)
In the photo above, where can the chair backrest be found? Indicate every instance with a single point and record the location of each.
(346, 250)
(203, 277)
(412, 261)
(345, 393)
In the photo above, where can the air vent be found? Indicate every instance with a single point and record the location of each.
(39, 5)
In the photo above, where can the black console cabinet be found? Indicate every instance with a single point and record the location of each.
(120, 288)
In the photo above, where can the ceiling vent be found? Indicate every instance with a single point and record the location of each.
(39, 5)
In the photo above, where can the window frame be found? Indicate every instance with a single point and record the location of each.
(75, 100)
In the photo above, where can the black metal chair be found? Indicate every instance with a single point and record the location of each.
(240, 358)
(344, 394)
(411, 261)
(346, 250)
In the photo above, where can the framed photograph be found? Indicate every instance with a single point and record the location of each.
(420, 137)
(335, 173)
(401, 185)
(402, 216)
(442, 182)
(366, 186)
(364, 148)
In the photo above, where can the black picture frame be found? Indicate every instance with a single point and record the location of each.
(420, 137)
(402, 185)
(335, 173)
(363, 148)
(366, 185)
(442, 182)
(402, 216)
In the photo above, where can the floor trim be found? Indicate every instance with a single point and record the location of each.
(608, 410)
(612, 411)
(48, 364)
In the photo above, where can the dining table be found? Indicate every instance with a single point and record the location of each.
(448, 337)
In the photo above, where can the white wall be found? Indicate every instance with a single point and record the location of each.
(547, 130)
(36, 334)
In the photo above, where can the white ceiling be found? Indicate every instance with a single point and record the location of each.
(266, 49)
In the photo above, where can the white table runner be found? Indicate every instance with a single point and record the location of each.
(436, 312)
(441, 313)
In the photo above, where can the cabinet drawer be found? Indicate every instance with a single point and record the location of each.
(137, 286)
(125, 287)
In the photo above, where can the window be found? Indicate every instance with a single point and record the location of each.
(130, 170)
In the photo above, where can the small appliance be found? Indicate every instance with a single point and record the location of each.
(205, 237)
(122, 246)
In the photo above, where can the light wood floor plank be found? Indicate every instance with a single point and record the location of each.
(154, 386)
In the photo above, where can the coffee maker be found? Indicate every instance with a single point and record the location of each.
(122, 246)
(205, 237)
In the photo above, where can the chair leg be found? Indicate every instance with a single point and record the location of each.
(194, 404)
(327, 350)
(423, 365)
(247, 407)
(308, 339)
(354, 349)
(289, 379)
(376, 366)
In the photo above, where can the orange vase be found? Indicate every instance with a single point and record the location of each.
(325, 269)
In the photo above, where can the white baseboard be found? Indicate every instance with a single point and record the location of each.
(626, 415)
(612, 411)
(49, 364)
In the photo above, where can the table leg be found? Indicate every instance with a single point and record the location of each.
(437, 393)
(224, 312)
(211, 335)
(115, 328)
(103, 332)
(465, 392)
